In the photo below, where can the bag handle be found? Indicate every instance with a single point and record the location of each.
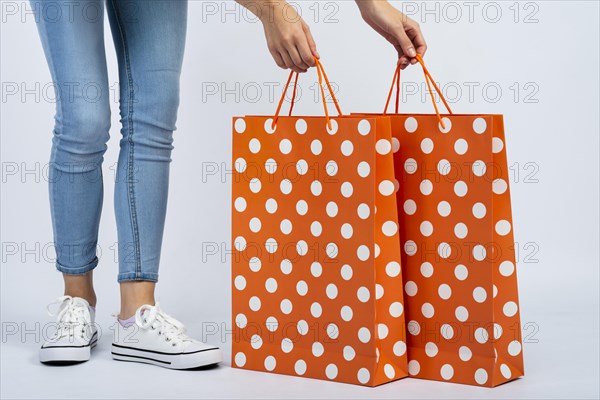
(430, 81)
(322, 76)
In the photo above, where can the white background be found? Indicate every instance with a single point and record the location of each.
(549, 51)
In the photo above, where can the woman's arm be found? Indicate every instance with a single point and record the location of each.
(292, 45)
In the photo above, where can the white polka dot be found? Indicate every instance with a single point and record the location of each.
(427, 310)
(499, 186)
(386, 188)
(396, 309)
(271, 285)
(346, 313)
(363, 252)
(285, 146)
(479, 252)
(346, 231)
(331, 291)
(272, 324)
(364, 127)
(389, 228)
(465, 353)
(334, 127)
(254, 303)
(447, 125)
(240, 127)
(363, 375)
(510, 308)
(392, 269)
(271, 166)
(426, 187)
(316, 188)
(399, 348)
(316, 310)
(481, 335)
(331, 371)
(302, 167)
(382, 331)
(286, 266)
(410, 207)
(444, 208)
(364, 335)
(461, 272)
(427, 269)
(301, 288)
(363, 211)
(410, 166)
(413, 327)
(505, 371)
(447, 372)
(301, 247)
(239, 243)
(410, 288)
(363, 169)
(271, 245)
(444, 167)
(479, 125)
(383, 146)
(461, 146)
(349, 353)
(395, 145)
(240, 204)
(241, 320)
(427, 146)
(460, 188)
(240, 282)
(461, 230)
(363, 294)
(514, 348)
(461, 313)
(286, 226)
(479, 168)
(331, 250)
(285, 186)
(410, 125)
(240, 358)
(389, 371)
(269, 126)
(347, 189)
(426, 228)
(414, 367)
(503, 227)
(254, 145)
(316, 147)
(495, 290)
(346, 272)
(286, 306)
(316, 228)
(347, 147)
(444, 291)
(301, 126)
(240, 165)
(479, 294)
(481, 376)
(255, 185)
(270, 363)
(410, 248)
(256, 342)
(497, 331)
(497, 145)
(300, 367)
(331, 168)
(507, 268)
(287, 345)
(255, 264)
(444, 250)
(479, 210)
(431, 349)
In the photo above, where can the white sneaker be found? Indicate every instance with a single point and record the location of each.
(76, 332)
(159, 339)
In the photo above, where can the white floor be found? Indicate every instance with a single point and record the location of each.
(563, 364)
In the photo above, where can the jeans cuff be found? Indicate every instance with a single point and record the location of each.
(77, 270)
(132, 277)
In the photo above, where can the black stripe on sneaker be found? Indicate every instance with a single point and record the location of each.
(161, 352)
(144, 358)
(74, 346)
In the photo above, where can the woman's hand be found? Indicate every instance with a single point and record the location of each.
(288, 37)
(402, 32)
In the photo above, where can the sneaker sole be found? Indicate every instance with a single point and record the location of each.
(66, 354)
(195, 359)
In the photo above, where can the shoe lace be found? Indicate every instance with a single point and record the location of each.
(152, 317)
(71, 317)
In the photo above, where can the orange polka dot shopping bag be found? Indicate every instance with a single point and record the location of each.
(316, 263)
(456, 234)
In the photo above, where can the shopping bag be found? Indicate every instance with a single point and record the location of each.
(316, 274)
(456, 232)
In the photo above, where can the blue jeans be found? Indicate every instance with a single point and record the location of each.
(149, 38)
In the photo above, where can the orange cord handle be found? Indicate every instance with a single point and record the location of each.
(322, 76)
(429, 80)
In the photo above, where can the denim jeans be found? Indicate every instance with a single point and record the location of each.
(149, 38)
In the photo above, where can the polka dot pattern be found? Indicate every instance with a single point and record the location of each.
(458, 261)
(317, 277)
